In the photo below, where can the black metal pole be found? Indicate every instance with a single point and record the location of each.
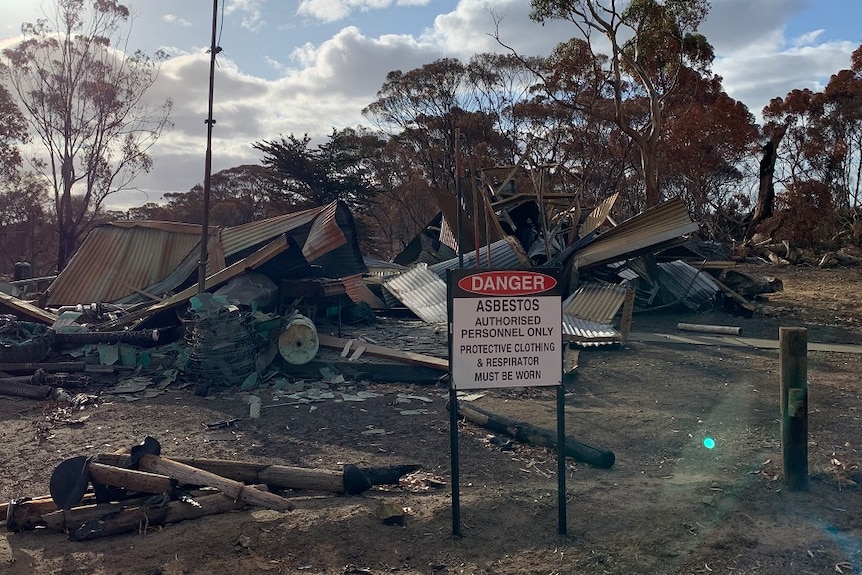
(561, 458)
(202, 264)
(453, 416)
(460, 196)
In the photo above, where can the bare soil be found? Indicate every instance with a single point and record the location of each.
(667, 506)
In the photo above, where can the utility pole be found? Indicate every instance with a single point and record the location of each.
(202, 264)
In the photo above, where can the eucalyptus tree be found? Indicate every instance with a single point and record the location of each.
(649, 42)
(84, 100)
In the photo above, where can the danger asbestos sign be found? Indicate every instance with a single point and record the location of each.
(505, 328)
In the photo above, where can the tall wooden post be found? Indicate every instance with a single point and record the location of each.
(793, 343)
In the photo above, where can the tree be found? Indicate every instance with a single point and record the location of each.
(815, 142)
(25, 223)
(417, 107)
(709, 137)
(238, 195)
(650, 42)
(13, 131)
(84, 101)
(335, 170)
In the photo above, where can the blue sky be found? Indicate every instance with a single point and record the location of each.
(308, 66)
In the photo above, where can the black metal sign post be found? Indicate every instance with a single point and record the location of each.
(505, 330)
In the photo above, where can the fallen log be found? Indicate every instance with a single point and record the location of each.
(534, 435)
(351, 480)
(23, 387)
(32, 367)
(130, 479)
(129, 519)
(193, 476)
(43, 513)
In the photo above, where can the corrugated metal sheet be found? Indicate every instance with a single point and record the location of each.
(681, 283)
(242, 237)
(697, 290)
(588, 333)
(595, 302)
(598, 216)
(422, 291)
(159, 257)
(116, 259)
(447, 235)
(505, 254)
(379, 268)
(651, 228)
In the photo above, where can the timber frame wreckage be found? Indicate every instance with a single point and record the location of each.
(128, 308)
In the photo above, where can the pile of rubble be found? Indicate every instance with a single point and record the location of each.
(270, 284)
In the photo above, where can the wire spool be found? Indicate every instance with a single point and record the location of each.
(298, 343)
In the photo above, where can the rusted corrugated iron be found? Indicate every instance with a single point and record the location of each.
(422, 291)
(239, 238)
(118, 262)
(653, 228)
(115, 259)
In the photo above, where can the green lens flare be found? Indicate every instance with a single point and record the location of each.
(708, 442)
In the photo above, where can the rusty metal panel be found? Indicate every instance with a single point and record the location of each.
(596, 302)
(114, 260)
(422, 291)
(242, 237)
(655, 226)
(325, 234)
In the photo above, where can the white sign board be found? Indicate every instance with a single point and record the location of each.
(505, 329)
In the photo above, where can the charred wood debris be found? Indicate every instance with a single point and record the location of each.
(126, 319)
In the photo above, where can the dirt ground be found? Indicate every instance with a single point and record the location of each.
(667, 506)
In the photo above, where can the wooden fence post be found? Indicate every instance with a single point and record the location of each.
(793, 343)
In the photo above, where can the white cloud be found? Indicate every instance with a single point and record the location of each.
(173, 19)
(250, 10)
(324, 10)
(335, 10)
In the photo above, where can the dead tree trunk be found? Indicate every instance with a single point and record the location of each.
(766, 187)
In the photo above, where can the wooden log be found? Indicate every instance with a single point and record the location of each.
(284, 476)
(194, 476)
(22, 387)
(702, 328)
(130, 479)
(140, 518)
(32, 367)
(23, 514)
(275, 476)
(534, 435)
(42, 512)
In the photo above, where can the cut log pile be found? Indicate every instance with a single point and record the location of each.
(109, 494)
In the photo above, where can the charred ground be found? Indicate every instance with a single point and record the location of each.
(668, 505)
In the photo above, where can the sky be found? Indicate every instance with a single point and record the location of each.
(308, 66)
